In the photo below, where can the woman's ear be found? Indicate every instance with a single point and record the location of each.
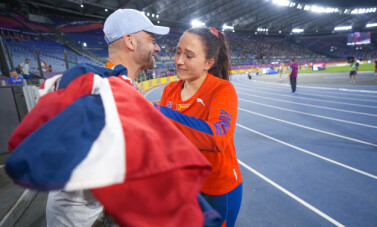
(129, 41)
(209, 64)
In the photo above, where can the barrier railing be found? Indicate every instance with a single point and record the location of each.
(148, 84)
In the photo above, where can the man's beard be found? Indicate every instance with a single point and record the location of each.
(146, 57)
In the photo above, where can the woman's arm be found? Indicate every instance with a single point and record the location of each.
(214, 134)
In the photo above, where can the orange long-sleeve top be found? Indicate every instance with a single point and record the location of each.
(208, 119)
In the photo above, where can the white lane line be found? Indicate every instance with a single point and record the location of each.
(310, 153)
(372, 92)
(313, 115)
(314, 99)
(301, 92)
(304, 104)
(330, 90)
(290, 194)
(310, 128)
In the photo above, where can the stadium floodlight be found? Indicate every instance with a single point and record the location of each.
(279, 32)
(370, 25)
(158, 22)
(362, 11)
(106, 10)
(157, 16)
(262, 29)
(319, 9)
(84, 44)
(152, 14)
(316, 9)
(82, 6)
(342, 28)
(196, 23)
(299, 6)
(297, 30)
(307, 7)
(281, 2)
(227, 27)
(148, 14)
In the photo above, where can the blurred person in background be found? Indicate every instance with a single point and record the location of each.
(293, 75)
(24, 66)
(15, 78)
(354, 69)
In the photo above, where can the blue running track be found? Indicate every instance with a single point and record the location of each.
(308, 159)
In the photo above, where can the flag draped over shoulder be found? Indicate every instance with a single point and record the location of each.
(92, 130)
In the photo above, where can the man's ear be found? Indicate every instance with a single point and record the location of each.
(209, 64)
(129, 41)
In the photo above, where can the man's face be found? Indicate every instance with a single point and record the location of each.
(27, 61)
(146, 49)
(13, 74)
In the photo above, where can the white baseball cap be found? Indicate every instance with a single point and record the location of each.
(129, 21)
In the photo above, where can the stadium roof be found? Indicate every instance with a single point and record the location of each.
(313, 16)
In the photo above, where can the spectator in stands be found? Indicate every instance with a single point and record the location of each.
(44, 66)
(203, 105)
(24, 66)
(15, 78)
(280, 70)
(293, 75)
(375, 67)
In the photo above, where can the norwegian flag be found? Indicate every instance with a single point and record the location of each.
(92, 130)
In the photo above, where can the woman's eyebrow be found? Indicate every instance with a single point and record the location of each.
(190, 51)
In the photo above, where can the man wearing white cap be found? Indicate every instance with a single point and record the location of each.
(130, 36)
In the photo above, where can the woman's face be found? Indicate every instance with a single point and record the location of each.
(190, 58)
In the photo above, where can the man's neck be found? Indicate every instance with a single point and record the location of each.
(132, 71)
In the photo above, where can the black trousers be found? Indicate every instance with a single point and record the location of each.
(293, 83)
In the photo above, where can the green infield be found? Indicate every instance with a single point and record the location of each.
(346, 68)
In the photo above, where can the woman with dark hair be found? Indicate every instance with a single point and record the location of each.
(203, 105)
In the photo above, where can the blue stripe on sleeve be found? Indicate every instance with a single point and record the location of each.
(192, 122)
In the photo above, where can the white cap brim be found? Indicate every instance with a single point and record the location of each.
(159, 30)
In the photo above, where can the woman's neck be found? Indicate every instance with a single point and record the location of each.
(190, 87)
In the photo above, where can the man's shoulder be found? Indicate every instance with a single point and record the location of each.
(84, 69)
(77, 71)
